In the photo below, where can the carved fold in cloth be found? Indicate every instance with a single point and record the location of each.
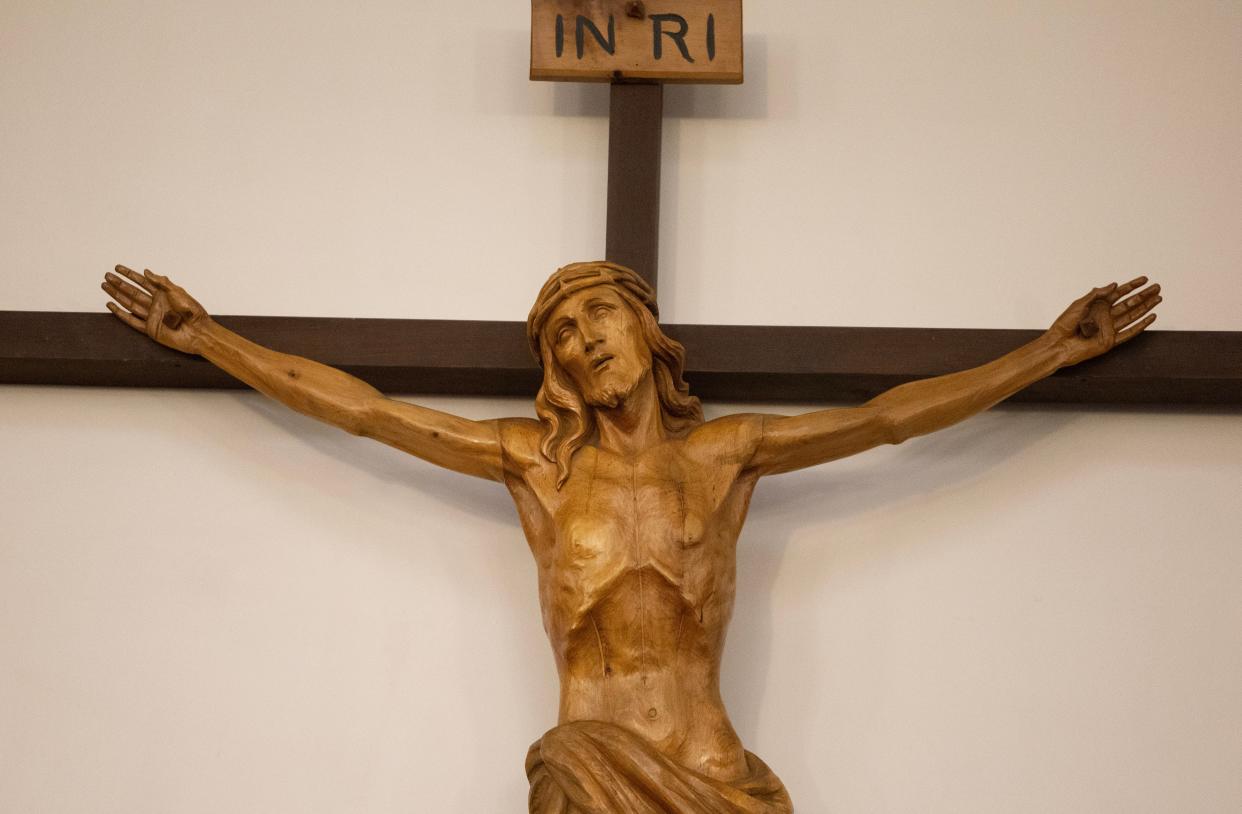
(589, 767)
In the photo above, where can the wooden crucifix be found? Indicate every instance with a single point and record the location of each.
(633, 520)
(631, 501)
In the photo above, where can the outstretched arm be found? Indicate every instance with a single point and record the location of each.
(1092, 325)
(154, 305)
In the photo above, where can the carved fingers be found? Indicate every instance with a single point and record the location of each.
(1135, 329)
(128, 318)
(1134, 307)
(134, 300)
(142, 281)
(132, 297)
(1125, 288)
(1126, 311)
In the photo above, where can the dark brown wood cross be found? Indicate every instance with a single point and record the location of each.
(725, 362)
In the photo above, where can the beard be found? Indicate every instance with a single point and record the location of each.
(609, 395)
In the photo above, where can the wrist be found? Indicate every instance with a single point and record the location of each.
(1056, 349)
(207, 334)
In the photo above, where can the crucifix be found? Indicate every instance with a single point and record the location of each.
(648, 498)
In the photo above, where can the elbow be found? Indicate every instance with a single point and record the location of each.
(356, 417)
(893, 428)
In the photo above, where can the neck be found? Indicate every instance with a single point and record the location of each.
(633, 425)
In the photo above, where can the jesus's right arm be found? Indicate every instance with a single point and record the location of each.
(154, 305)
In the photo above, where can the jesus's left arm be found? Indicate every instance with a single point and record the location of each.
(786, 443)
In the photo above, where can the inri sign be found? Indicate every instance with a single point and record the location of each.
(660, 40)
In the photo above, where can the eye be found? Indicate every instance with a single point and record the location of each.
(599, 311)
(563, 334)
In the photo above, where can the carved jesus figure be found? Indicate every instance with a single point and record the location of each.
(632, 505)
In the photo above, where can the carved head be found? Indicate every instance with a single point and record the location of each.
(593, 329)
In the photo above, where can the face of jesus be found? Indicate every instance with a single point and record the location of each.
(596, 338)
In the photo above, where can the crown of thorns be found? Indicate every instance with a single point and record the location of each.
(575, 277)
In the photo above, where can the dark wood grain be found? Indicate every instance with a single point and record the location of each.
(729, 363)
(634, 137)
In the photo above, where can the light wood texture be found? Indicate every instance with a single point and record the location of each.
(611, 40)
(632, 505)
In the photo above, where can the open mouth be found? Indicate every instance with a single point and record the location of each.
(599, 362)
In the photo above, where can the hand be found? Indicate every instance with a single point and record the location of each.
(1104, 318)
(157, 307)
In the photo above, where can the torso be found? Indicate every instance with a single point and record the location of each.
(636, 582)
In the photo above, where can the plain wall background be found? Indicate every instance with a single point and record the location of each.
(208, 603)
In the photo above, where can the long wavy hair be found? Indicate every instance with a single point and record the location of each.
(568, 420)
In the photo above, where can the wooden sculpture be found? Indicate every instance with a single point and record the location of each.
(632, 505)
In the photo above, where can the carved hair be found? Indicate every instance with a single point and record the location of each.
(569, 420)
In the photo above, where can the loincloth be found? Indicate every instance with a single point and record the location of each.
(588, 767)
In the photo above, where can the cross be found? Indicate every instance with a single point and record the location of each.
(637, 51)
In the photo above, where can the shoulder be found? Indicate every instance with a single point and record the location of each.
(520, 439)
(730, 439)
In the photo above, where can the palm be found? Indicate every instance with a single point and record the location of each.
(156, 306)
(1105, 317)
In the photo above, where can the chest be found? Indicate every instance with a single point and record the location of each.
(661, 512)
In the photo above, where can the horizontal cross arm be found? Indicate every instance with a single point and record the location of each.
(724, 362)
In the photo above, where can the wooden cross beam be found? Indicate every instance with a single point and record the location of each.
(731, 363)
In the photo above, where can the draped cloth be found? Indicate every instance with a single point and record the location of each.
(588, 767)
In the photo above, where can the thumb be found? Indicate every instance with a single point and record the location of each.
(158, 280)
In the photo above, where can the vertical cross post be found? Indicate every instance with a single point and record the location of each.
(618, 41)
(635, 128)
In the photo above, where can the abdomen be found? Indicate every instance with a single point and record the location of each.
(642, 659)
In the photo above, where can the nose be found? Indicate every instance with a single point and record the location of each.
(590, 338)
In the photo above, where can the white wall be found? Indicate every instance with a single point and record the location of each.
(210, 604)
